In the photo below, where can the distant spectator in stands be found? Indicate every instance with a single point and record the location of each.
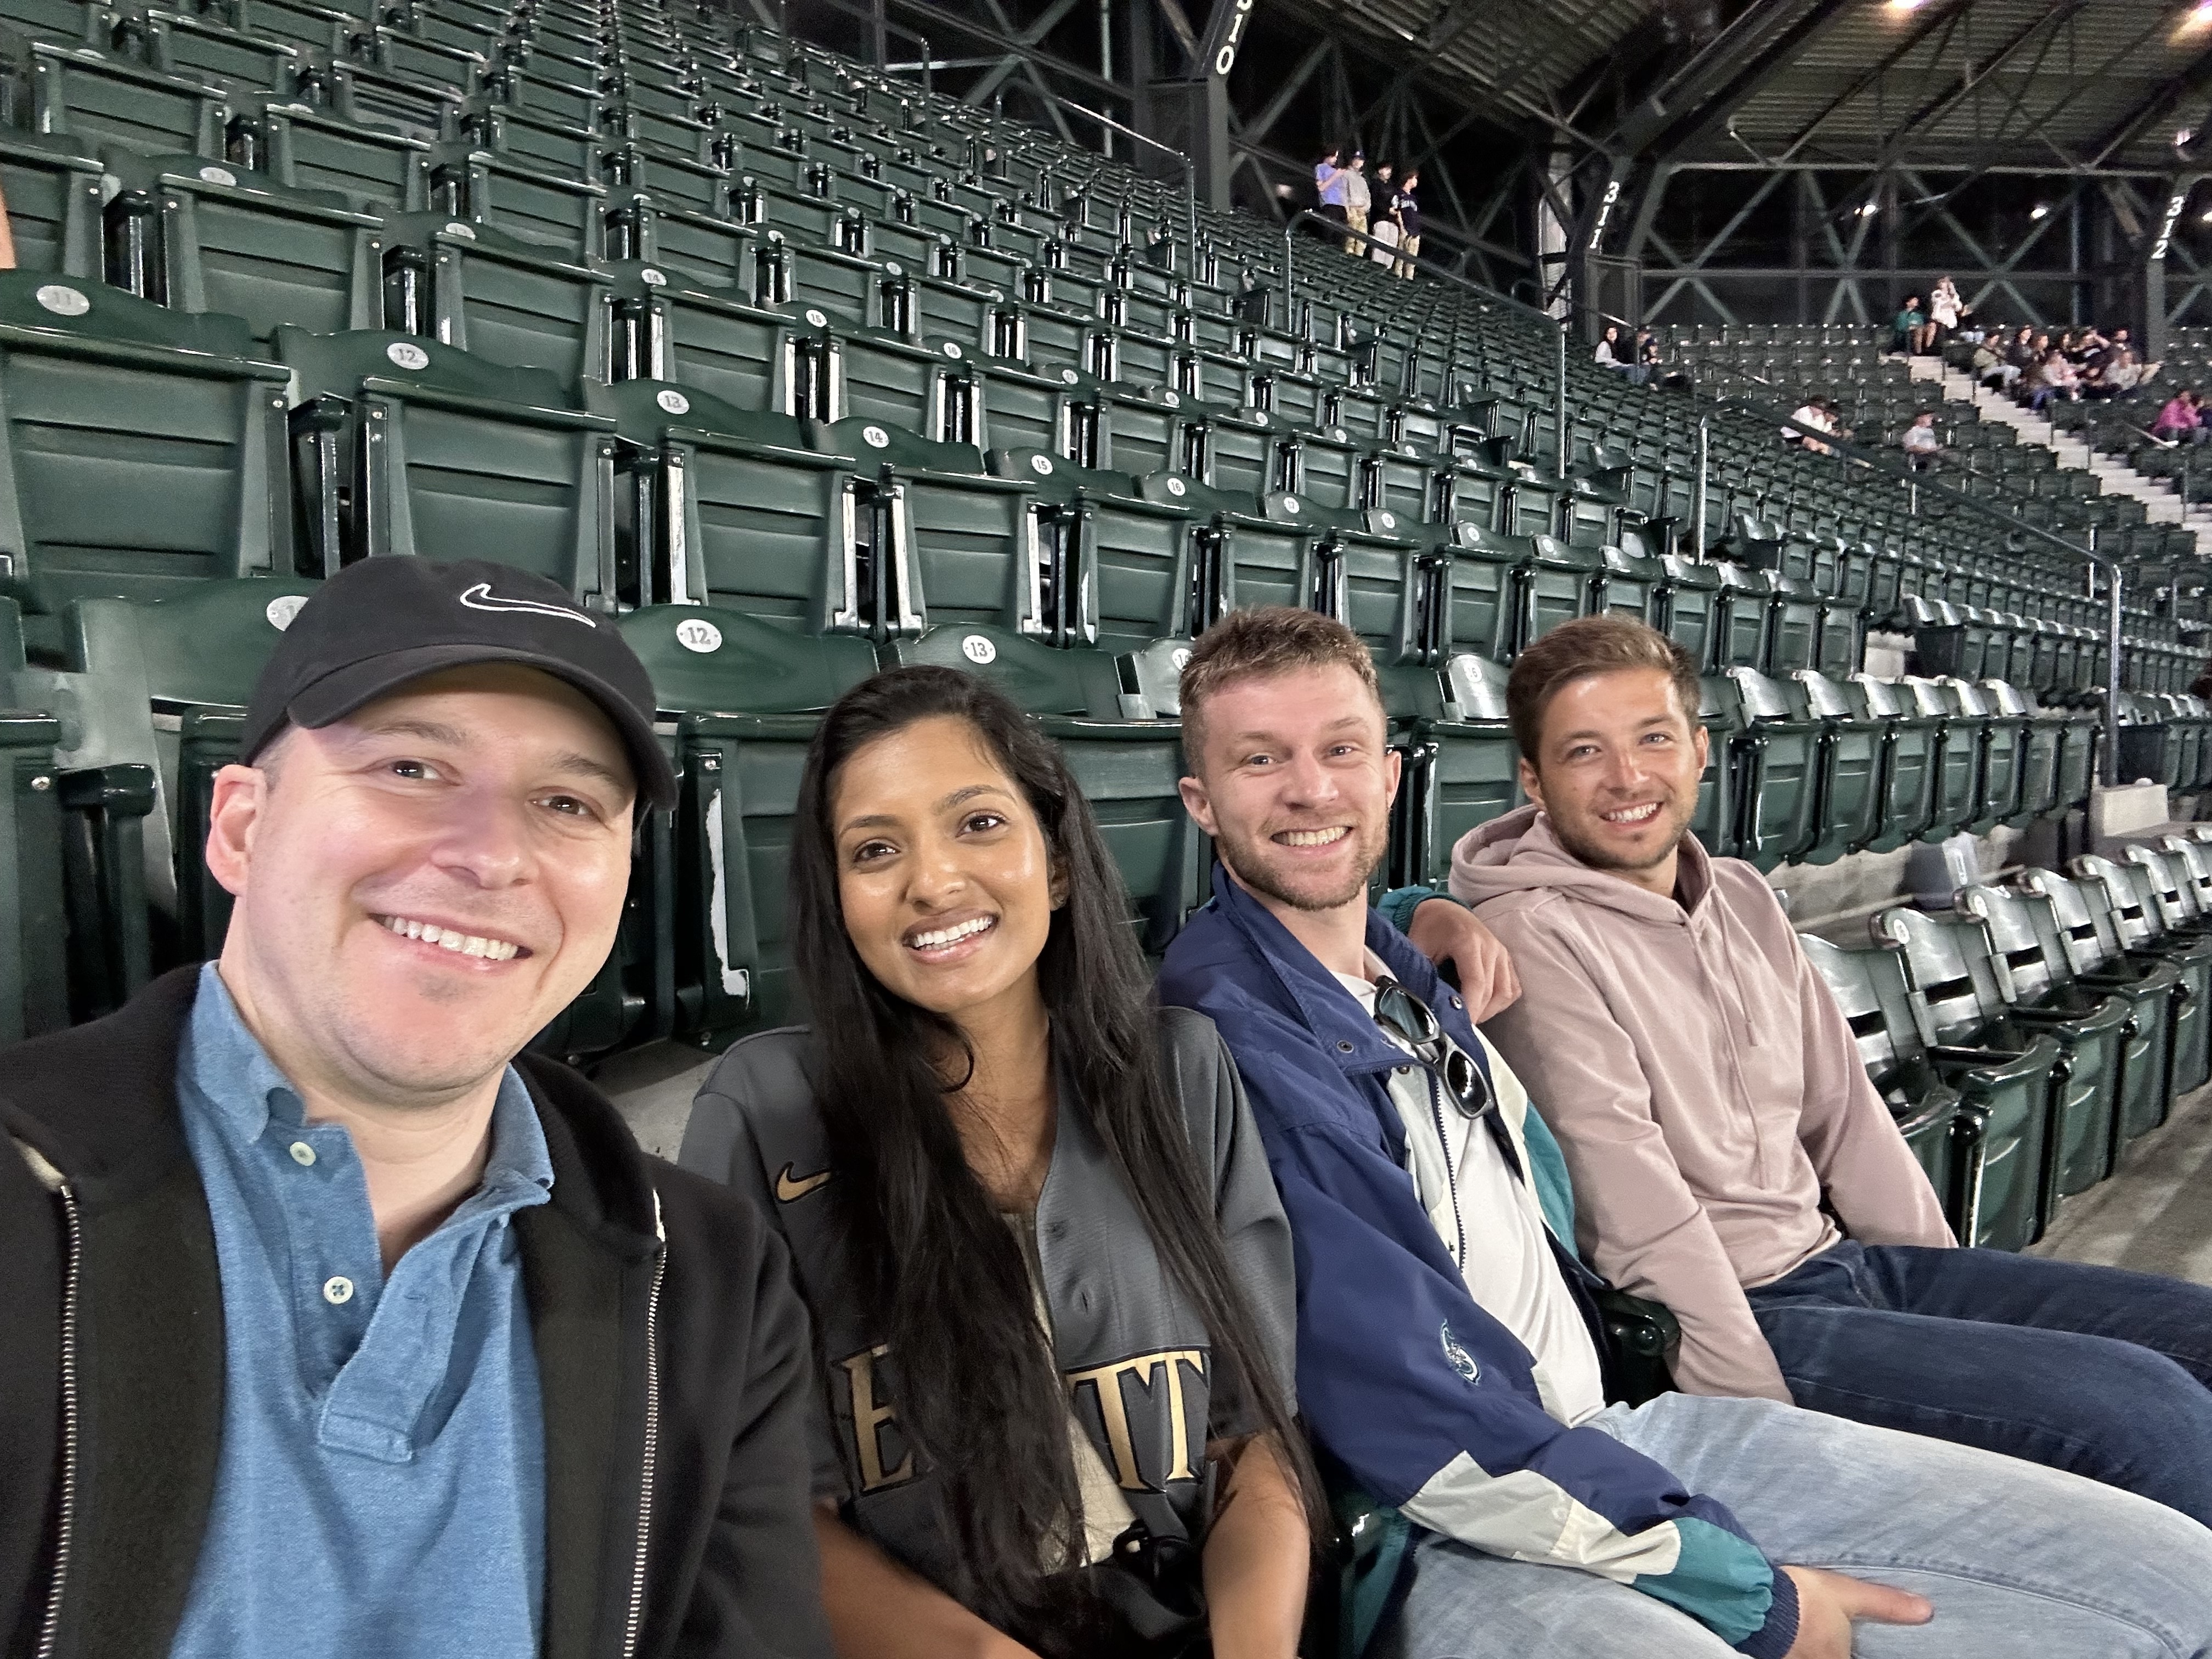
(1944, 306)
(2056, 379)
(1382, 221)
(1357, 198)
(1972, 330)
(1329, 185)
(1732, 1159)
(1644, 366)
(1921, 446)
(1611, 352)
(2181, 421)
(1910, 320)
(1990, 367)
(2123, 370)
(2202, 685)
(1409, 221)
(1819, 413)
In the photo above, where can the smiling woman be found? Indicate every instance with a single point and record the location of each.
(1030, 1211)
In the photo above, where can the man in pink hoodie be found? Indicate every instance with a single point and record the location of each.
(1732, 1158)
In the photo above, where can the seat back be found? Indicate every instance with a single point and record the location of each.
(1948, 970)
(447, 457)
(144, 446)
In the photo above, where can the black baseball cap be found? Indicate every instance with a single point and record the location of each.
(383, 621)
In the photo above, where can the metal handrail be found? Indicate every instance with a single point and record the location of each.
(928, 86)
(1190, 169)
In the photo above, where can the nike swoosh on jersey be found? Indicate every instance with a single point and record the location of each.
(789, 1191)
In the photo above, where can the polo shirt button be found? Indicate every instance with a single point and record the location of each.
(1403, 1070)
(338, 1291)
(1343, 1048)
(302, 1154)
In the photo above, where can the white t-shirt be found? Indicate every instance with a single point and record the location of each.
(1464, 1182)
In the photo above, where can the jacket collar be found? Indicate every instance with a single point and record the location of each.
(1326, 1009)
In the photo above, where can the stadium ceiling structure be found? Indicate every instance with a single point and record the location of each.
(1729, 159)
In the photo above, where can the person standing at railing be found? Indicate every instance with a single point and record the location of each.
(1409, 221)
(1329, 187)
(1357, 198)
(1382, 223)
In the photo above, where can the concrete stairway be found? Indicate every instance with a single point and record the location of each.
(2162, 502)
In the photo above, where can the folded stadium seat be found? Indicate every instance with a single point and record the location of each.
(35, 926)
(551, 99)
(1469, 489)
(360, 91)
(1415, 487)
(144, 445)
(1631, 582)
(926, 386)
(305, 23)
(1148, 430)
(1533, 502)
(1714, 821)
(1848, 797)
(1054, 410)
(2003, 739)
(51, 182)
(723, 898)
(519, 303)
(1941, 1108)
(736, 507)
(1113, 568)
(537, 140)
(2053, 1072)
(2042, 745)
(202, 49)
(404, 446)
(1955, 764)
(1371, 572)
(1557, 583)
(951, 544)
(1795, 614)
(1127, 768)
(65, 22)
(101, 99)
(2124, 903)
(670, 326)
(1326, 465)
(200, 236)
(1252, 451)
(564, 214)
(305, 148)
(1742, 622)
(2027, 960)
(1773, 755)
(1690, 606)
(790, 276)
(1461, 771)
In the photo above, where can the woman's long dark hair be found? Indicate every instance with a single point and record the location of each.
(941, 1276)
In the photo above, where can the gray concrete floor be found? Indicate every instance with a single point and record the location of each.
(2153, 1213)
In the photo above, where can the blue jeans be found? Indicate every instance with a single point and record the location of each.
(2094, 1370)
(2021, 1562)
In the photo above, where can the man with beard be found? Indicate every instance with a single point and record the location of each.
(1449, 1354)
(1734, 1162)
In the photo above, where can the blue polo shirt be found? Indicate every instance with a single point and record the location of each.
(380, 1489)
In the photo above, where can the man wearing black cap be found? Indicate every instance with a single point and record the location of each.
(338, 1325)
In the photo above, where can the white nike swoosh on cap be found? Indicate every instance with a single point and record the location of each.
(481, 598)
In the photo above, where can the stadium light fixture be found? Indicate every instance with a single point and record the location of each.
(1906, 5)
(2040, 210)
(2198, 16)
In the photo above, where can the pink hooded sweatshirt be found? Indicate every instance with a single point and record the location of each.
(1700, 1079)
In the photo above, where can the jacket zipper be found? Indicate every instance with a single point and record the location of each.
(636, 1615)
(50, 1630)
(1451, 1174)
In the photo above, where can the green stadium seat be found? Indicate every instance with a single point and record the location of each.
(521, 304)
(100, 99)
(1690, 598)
(226, 239)
(144, 446)
(1559, 583)
(1714, 821)
(2124, 905)
(1956, 763)
(196, 48)
(1743, 618)
(565, 215)
(1114, 569)
(537, 142)
(2028, 960)
(1951, 975)
(950, 540)
(735, 508)
(51, 183)
(729, 958)
(404, 446)
(305, 148)
(1944, 1132)
(65, 22)
(1848, 800)
(1774, 754)
(1461, 771)
(1127, 769)
(1632, 583)
(672, 325)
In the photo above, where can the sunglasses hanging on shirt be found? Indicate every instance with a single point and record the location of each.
(1414, 1024)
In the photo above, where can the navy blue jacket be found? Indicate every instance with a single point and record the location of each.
(1429, 1403)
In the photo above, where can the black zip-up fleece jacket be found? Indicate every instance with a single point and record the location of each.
(675, 1376)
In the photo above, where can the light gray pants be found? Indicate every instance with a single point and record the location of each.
(2021, 1562)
